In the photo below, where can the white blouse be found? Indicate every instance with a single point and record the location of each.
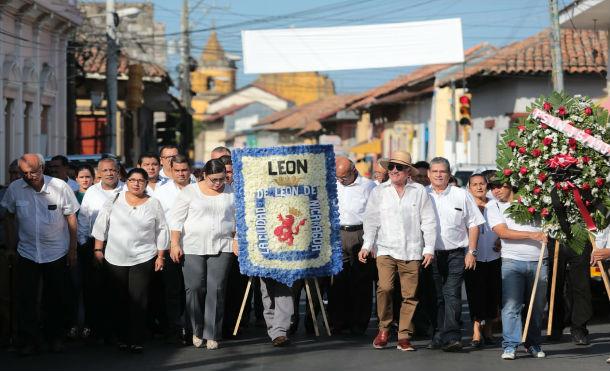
(206, 223)
(134, 234)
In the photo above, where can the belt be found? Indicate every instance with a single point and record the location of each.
(351, 228)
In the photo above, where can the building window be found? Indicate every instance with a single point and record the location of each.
(44, 129)
(210, 84)
(27, 131)
(8, 135)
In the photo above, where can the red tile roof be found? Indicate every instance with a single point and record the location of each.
(582, 51)
(93, 60)
(225, 111)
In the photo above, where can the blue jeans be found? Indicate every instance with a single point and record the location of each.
(517, 282)
(448, 274)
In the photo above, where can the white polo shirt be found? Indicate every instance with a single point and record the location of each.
(93, 201)
(166, 194)
(456, 212)
(352, 200)
(42, 226)
(523, 250)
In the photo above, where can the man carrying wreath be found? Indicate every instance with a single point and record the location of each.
(400, 229)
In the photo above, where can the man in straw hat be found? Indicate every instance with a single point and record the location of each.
(400, 229)
(458, 219)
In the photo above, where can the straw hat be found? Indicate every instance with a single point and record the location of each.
(397, 157)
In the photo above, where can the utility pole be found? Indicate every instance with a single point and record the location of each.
(111, 77)
(185, 51)
(454, 124)
(556, 47)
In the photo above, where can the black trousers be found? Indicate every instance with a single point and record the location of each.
(129, 289)
(484, 290)
(573, 291)
(236, 287)
(34, 314)
(95, 292)
(175, 299)
(424, 318)
(350, 298)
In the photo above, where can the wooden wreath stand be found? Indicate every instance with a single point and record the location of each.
(310, 300)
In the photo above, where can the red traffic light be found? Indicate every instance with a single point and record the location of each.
(464, 99)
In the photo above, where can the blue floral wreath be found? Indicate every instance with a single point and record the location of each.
(288, 275)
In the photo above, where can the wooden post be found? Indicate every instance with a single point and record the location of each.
(533, 296)
(315, 280)
(311, 308)
(243, 305)
(549, 326)
(600, 265)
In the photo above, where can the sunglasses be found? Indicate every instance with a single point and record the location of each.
(398, 167)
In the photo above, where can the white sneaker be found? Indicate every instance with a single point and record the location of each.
(536, 352)
(211, 344)
(197, 342)
(509, 354)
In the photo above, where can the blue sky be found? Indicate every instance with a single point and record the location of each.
(498, 22)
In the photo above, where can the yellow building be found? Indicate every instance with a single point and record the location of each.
(298, 87)
(214, 77)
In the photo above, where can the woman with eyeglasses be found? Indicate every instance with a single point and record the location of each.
(483, 284)
(202, 223)
(133, 229)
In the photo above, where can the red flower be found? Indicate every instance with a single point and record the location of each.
(536, 152)
(520, 200)
(588, 111)
(544, 212)
(537, 190)
(523, 170)
(531, 209)
(558, 185)
(511, 144)
(588, 131)
(547, 106)
(565, 186)
(544, 126)
(585, 159)
(588, 203)
(599, 182)
(561, 111)
(542, 177)
(521, 127)
(562, 161)
(586, 186)
(507, 172)
(547, 141)
(522, 150)
(572, 142)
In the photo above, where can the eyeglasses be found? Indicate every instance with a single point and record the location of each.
(134, 181)
(398, 167)
(168, 157)
(216, 180)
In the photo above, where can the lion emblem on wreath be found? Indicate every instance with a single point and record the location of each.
(287, 230)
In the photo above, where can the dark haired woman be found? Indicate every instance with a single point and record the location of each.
(133, 226)
(202, 223)
(85, 175)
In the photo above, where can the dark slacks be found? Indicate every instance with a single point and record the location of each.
(31, 277)
(95, 292)
(350, 296)
(573, 296)
(448, 273)
(175, 299)
(236, 287)
(129, 289)
(484, 290)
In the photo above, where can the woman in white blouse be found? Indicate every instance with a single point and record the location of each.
(133, 226)
(202, 223)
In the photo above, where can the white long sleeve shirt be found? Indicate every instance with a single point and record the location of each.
(456, 212)
(401, 227)
(134, 234)
(93, 202)
(207, 223)
(352, 200)
(166, 194)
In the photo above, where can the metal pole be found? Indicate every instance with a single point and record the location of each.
(556, 47)
(454, 124)
(185, 53)
(111, 77)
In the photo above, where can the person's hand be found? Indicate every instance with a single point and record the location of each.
(362, 255)
(176, 253)
(539, 236)
(498, 245)
(427, 260)
(159, 263)
(71, 261)
(99, 256)
(470, 261)
(235, 247)
(599, 255)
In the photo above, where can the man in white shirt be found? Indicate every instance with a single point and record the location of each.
(151, 163)
(400, 229)
(166, 154)
(93, 278)
(45, 211)
(458, 219)
(520, 251)
(57, 167)
(350, 299)
(173, 280)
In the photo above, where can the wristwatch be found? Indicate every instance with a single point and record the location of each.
(473, 252)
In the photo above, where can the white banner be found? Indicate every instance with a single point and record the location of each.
(353, 47)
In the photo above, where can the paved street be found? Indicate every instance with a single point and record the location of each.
(254, 352)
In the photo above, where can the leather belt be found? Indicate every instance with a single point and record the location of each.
(351, 228)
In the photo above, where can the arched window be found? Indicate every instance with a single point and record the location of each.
(210, 84)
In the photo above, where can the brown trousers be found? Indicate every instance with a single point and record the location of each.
(408, 273)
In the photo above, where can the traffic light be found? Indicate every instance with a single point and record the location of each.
(465, 109)
(166, 134)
